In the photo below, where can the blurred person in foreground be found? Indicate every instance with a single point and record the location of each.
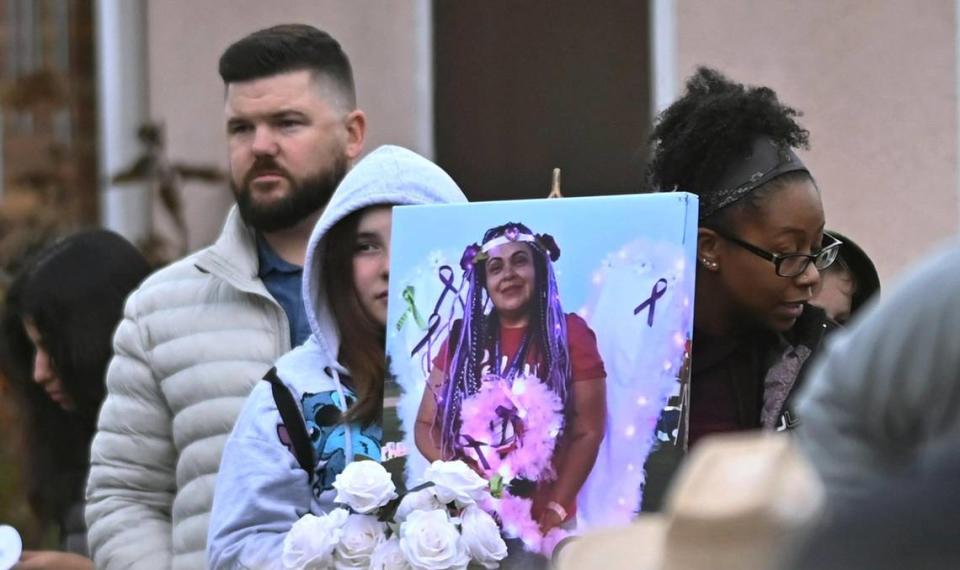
(198, 335)
(904, 521)
(885, 397)
(58, 323)
(739, 502)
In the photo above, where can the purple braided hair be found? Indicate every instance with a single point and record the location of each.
(479, 332)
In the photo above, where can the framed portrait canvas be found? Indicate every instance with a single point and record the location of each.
(545, 343)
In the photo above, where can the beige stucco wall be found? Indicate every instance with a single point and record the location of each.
(385, 41)
(876, 80)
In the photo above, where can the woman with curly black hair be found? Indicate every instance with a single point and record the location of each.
(760, 249)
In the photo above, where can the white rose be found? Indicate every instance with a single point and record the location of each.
(361, 535)
(430, 541)
(389, 556)
(454, 481)
(311, 540)
(481, 537)
(364, 486)
(11, 546)
(422, 500)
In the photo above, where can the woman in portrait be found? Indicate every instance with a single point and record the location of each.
(514, 330)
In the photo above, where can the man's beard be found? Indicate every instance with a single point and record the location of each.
(305, 197)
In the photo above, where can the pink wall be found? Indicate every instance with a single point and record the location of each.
(877, 82)
(876, 79)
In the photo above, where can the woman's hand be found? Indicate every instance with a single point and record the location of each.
(549, 519)
(585, 428)
(52, 560)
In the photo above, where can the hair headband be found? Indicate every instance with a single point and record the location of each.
(475, 253)
(766, 161)
(505, 239)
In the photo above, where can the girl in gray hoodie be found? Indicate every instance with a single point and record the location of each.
(335, 378)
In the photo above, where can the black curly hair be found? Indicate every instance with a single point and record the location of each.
(713, 125)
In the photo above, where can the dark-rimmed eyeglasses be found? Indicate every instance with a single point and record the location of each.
(793, 264)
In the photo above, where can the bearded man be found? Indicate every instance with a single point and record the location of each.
(197, 335)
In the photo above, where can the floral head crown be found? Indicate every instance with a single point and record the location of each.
(474, 253)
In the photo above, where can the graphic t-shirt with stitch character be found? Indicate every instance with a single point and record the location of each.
(322, 412)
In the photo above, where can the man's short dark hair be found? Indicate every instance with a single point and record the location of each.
(286, 48)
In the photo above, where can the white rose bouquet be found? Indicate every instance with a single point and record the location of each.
(438, 525)
(346, 537)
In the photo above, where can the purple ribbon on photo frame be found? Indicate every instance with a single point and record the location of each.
(471, 443)
(657, 291)
(509, 416)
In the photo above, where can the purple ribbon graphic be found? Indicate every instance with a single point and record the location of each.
(657, 291)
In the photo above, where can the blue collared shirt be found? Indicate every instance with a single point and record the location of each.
(284, 281)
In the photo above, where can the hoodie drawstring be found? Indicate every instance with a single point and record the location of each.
(348, 429)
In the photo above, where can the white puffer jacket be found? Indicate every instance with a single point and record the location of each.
(195, 338)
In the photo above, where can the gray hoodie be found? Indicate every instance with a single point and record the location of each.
(261, 491)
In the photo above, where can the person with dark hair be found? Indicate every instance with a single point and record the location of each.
(290, 48)
(59, 318)
(761, 247)
(335, 380)
(847, 284)
(525, 334)
(198, 335)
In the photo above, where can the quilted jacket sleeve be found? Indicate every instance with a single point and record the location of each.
(133, 460)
